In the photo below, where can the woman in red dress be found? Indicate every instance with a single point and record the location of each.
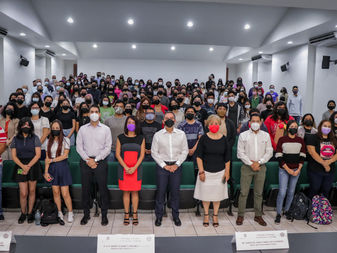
(130, 151)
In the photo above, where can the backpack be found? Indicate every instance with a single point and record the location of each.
(321, 212)
(49, 212)
(300, 207)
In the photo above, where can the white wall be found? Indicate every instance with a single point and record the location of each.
(245, 70)
(57, 67)
(264, 73)
(40, 67)
(15, 75)
(186, 71)
(69, 67)
(325, 87)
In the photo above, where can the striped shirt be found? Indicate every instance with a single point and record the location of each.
(290, 151)
(3, 139)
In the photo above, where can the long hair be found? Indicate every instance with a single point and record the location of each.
(14, 113)
(52, 138)
(137, 123)
(275, 115)
(331, 135)
(22, 122)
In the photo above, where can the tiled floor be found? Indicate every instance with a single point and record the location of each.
(191, 225)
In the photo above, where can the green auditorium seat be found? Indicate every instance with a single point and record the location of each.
(303, 182)
(10, 189)
(271, 185)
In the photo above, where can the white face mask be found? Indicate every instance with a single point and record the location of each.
(94, 117)
(210, 100)
(105, 102)
(38, 83)
(231, 99)
(335, 120)
(247, 106)
(255, 126)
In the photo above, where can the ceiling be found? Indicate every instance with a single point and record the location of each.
(159, 24)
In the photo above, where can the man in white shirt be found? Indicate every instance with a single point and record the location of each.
(169, 149)
(295, 105)
(254, 150)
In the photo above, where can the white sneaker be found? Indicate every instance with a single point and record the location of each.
(70, 217)
(60, 214)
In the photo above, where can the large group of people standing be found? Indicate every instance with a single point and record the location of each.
(110, 119)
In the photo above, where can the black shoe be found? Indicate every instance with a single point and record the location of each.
(2, 217)
(22, 218)
(177, 222)
(61, 222)
(105, 220)
(288, 216)
(278, 219)
(30, 218)
(85, 219)
(158, 222)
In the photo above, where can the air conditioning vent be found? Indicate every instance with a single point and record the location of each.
(3, 32)
(326, 39)
(262, 58)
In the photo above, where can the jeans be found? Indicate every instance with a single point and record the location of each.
(247, 175)
(1, 166)
(320, 183)
(287, 185)
(112, 156)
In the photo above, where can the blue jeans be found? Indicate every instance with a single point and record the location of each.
(287, 185)
(1, 166)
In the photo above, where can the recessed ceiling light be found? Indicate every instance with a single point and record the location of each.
(190, 24)
(240, 59)
(94, 45)
(131, 21)
(173, 48)
(247, 26)
(211, 49)
(47, 46)
(22, 34)
(70, 20)
(260, 52)
(63, 54)
(336, 26)
(290, 42)
(134, 46)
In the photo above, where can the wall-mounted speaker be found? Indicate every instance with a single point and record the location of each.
(326, 62)
(285, 67)
(23, 61)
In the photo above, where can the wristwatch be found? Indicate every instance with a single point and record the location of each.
(96, 161)
(260, 162)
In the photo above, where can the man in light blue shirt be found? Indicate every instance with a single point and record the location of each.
(295, 105)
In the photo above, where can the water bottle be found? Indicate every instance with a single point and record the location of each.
(37, 217)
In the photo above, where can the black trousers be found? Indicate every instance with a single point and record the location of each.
(88, 175)
(172, 180)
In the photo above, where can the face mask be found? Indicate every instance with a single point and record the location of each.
(231, 99)
(292, 131)
(105, 102)
(65, 107)
(308, 123)
(128, 111)
(88, 101)
(180, 100)
(24, 90)
(119, 110)
(134, 94)
(326, 130)
(94, 117)
(189, 116)
(125, 99)
(56, 132)
(48, 104)
(76, 89)
(255, 126)
(214, 128)
(169, 123)
(19, 101)
(68, 84)
(331, 107)
(281, 112)
(34, 112)
(83, 94)
(272, 90)
(137, 83)
(57, 88)
(150, 116)
(131, 127)
(210, 100)
(84, 110)
(39, 91)
(35, 99)
(156, 102)
(160, 93)
(38, 83)
(26, 130)
(197, 103)
(145, 106)
(268, 107)
(335, 120)
(174, 107)
(295, 91)
(9, 112)
(247, 106)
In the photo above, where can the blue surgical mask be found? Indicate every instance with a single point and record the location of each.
(34, 112)
(105, 102)
(68, 84)
(35, 99)
(149, 116)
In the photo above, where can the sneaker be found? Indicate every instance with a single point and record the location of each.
(22, 218)
(278, 219)
(30, 218)
(60, 215)
(70, 217)
(288, 216)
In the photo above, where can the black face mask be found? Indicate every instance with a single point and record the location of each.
(65, 107)
(83, 94)
(84, 110)
(169, 123)
(111, 89)
(75, 89)
(197, 103)
(160, 93)
(88, 101)
(19, 101)
(281, 112)
(145, 106)
(128, 111)
(292, 131)
(9, 112)
(26, 130)
(269, 107)
(12, 100)
(39, 91)
(125, 99)
(134, 94)
(308, 123)
(156, 102)
(331, 107)
(168, 85)
(56, 132)
(189, 116)
(48, 104)
(180, 100)
(174, 107)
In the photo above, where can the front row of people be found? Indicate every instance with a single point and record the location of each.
(169, 150)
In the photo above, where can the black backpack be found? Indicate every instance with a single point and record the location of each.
(49, 213)
(300, 207)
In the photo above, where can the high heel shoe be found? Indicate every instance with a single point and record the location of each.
(215, 224)
(126, 220)
(134, 220)
(205, 224)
